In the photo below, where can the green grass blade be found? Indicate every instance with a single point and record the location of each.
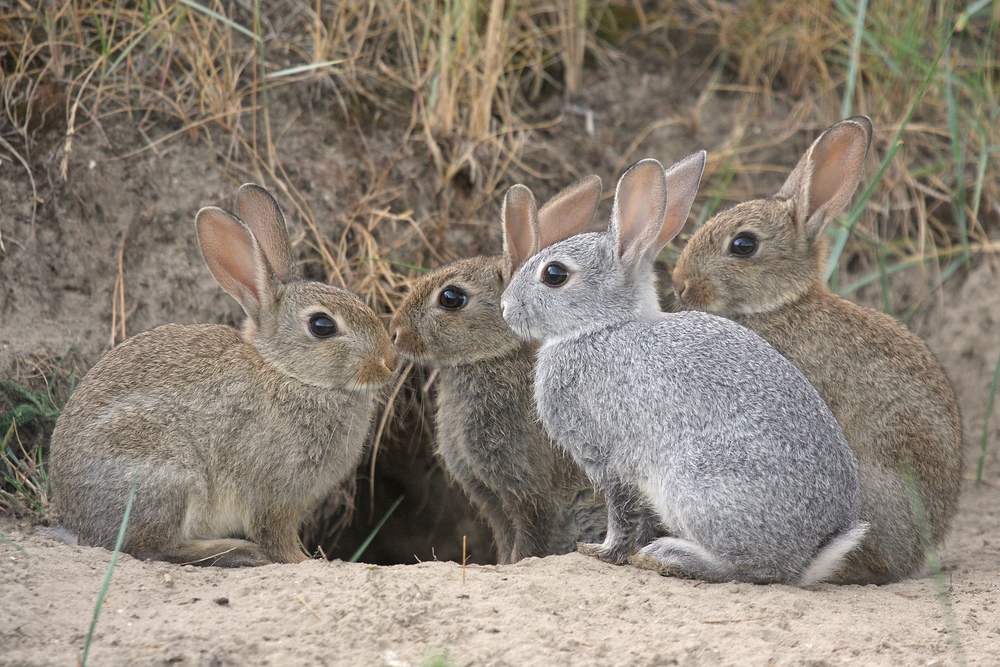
(412, 267)
(371, 536)
(934, 566)
(864, 281)
(8, 541)
(852, 68)
(223, 19)
(986, 425)
(107, 577)
(958, 151)
(727, 173)
(844, 233)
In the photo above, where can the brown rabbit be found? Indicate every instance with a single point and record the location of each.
(534, 498)
(761, 264)
(228, 436)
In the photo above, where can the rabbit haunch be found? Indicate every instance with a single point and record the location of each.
(734, 450)
(228, 437)
(536, 500)
(887, 391)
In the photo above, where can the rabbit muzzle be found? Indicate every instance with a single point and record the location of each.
(378, 368)
(406, 340)
(692, 292)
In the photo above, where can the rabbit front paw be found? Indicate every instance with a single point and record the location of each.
(614, 553)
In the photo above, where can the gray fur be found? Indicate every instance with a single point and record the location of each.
(229, 437)
(731, 445)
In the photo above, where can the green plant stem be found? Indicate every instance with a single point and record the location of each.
(986, 425)
(371, 536)
(107, 577)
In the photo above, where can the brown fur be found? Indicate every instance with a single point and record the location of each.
(887, 391)
(535, 499)
(228, 437)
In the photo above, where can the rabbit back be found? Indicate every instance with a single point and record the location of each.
(897, 410)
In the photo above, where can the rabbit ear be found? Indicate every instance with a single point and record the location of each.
(235, 259)
(638, 212)
(570, 212)
(520, 227)
(825, 179)
(260, 212)
(683, 180)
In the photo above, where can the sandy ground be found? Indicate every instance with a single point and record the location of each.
(560, 610)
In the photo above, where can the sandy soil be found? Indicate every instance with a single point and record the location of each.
(56, 285)
(560, 610)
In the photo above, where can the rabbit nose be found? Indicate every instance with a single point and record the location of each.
(391, 360)
(680, 287)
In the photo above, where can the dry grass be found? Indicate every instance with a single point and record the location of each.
(28, 411)
(936, 198)
(462, 74)
(188, 70)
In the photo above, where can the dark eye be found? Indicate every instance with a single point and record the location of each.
(322, 326)
(452, 298)
(555, 274)
(743, 245)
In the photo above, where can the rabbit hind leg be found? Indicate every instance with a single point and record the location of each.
(675, 557)
(229, 552)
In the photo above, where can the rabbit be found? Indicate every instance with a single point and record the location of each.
(724, 438)
(536, 500)
(228, 436)
(761, 264)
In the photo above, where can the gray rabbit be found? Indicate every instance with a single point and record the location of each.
(730, 444)
(228, 436)
(536, 500)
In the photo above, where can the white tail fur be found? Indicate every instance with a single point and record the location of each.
(832, 555)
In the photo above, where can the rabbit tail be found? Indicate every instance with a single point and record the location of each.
(832, 556)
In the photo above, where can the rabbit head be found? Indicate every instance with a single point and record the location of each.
(585, 281)
(452, 315)
(316, 333)
(766, 253)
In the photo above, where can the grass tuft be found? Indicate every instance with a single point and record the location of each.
(29, 412)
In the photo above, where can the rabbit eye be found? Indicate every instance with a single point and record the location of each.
(322, 326)
(743, 245)
(555, 274)
(452, 298)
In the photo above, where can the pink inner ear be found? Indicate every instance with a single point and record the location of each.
(228, 249)
(839, 160)
(683, 180)
(826, 178)
(640, 204)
